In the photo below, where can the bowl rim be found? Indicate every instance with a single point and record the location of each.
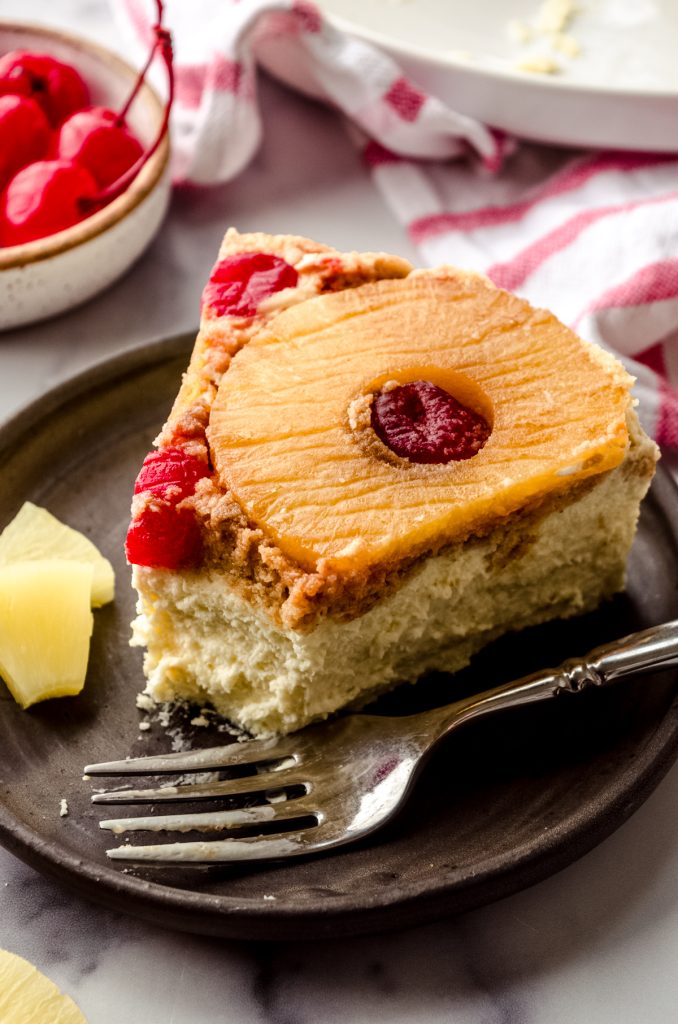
(17, 256)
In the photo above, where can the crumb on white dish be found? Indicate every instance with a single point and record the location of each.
(555, 15)
(539, 65)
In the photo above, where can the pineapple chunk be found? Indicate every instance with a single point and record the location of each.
(35, 534)
(45, 626)
(29, 997)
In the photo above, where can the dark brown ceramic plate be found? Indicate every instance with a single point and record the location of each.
(506, 802)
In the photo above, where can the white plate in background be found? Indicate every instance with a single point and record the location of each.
(620, 91)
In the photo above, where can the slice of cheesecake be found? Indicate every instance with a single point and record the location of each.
(370, 472)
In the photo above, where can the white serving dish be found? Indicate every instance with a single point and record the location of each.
(42, 278)
(621, 91)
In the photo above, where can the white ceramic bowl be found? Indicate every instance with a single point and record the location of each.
(620, 91)
(47, 276)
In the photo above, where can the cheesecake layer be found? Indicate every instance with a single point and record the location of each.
(208, 643)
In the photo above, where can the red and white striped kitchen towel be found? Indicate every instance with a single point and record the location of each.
(592, 236)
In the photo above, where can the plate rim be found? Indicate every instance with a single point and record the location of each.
(500, 76)
(233, 916)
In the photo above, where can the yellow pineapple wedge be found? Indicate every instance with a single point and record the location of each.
(284, 429)
(36, 534)
(29, 997)
(45, 626)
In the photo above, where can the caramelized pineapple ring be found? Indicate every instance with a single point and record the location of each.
(282, 440)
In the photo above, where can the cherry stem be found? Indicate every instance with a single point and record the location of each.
(162, 45)
(120, 120)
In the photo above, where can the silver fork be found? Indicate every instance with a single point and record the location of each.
(353, 774)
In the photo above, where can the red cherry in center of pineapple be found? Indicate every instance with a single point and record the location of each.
(57, 87)
(98, 139)
(423, 423)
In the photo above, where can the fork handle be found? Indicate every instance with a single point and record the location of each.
(649, 650)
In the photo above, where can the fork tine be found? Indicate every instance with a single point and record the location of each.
(210, 821)
(253, 785)
(230, 756)
(225, 851)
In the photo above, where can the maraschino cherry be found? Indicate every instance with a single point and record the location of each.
(44, 197)
(24, 134)
(170, 473)
(239, 283)
(421, 422)
(99, 140)
(97, 156)
(162, 535)
(57, 87)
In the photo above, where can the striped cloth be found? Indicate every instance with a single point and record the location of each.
(593, 236)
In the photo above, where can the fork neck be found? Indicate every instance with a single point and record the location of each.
(435, 724)
(650, 650)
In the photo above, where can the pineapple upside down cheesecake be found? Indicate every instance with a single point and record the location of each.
(369, 472)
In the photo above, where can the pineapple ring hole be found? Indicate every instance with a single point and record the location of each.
(442, 416)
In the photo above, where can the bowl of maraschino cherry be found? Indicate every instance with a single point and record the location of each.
(84, 167)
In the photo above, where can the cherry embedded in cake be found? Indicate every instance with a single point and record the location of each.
(239, 284)
(163, 534)
(370, 472)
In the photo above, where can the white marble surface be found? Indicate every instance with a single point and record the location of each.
(597, 943)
